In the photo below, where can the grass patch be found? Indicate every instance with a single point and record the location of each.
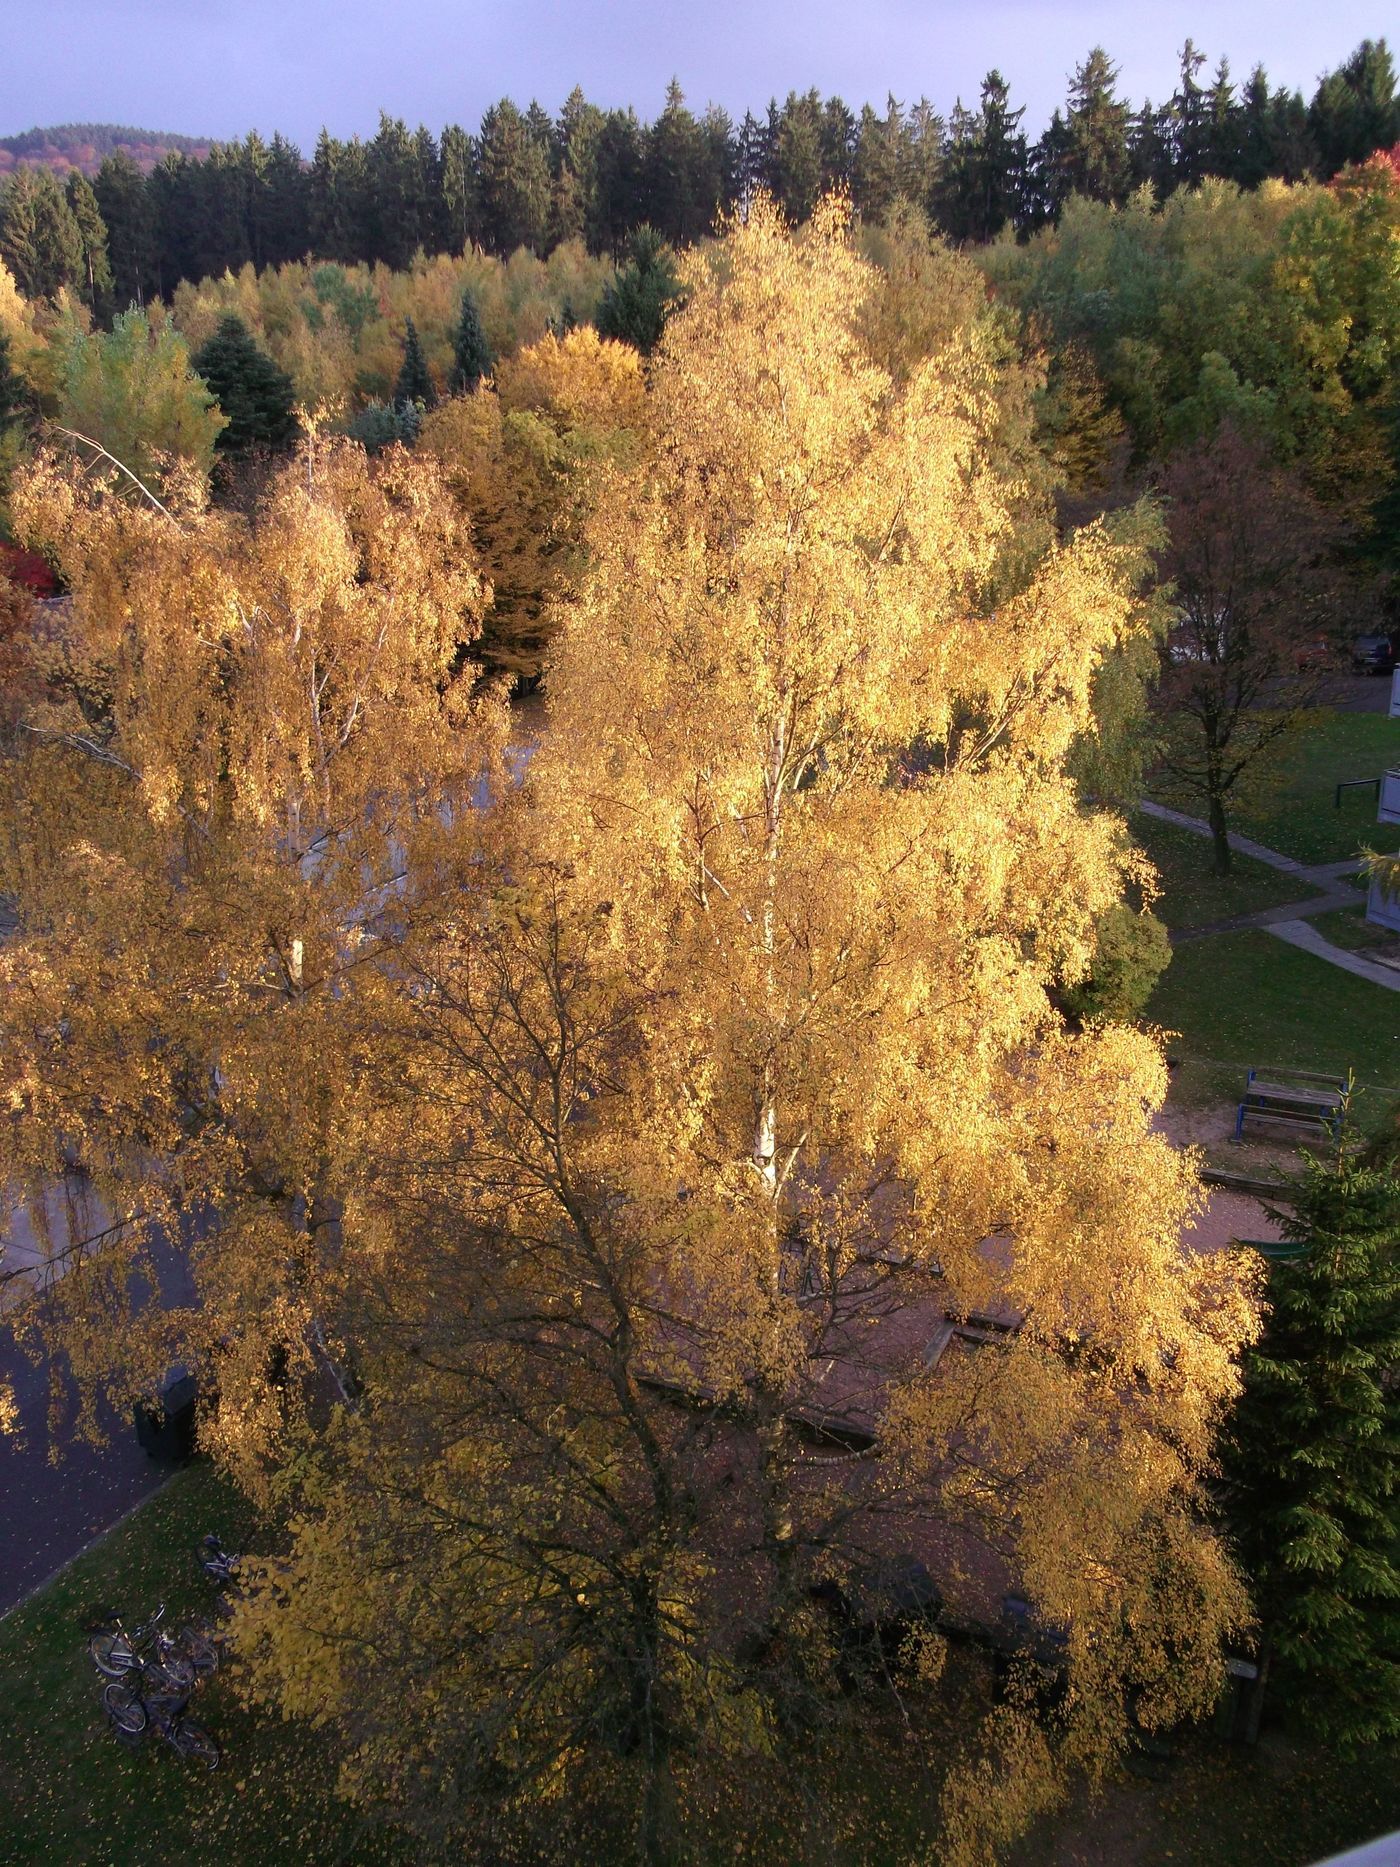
(70, 1793)
(1284, 1804)
(1300, 817)
(1192, 896)
(1245, 1000)
(1349, 928)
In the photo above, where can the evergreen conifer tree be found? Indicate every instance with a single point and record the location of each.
(253, 393)
(39, 239)
(639, 299)
(96, 282)
(472, 358)
(1316, 1450)
(126, 204)
(414, 383)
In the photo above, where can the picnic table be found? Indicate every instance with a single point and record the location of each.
(1300, 1101)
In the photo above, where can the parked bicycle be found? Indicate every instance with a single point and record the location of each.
(133, 1712)
(219, 1564)
(173, 1658)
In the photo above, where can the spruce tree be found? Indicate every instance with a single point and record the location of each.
(414, 384)
(256, 396)
(96, 283)
(1315, 1450)
(642, 295)
(472, 358)
(39, 239)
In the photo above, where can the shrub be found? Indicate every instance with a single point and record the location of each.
(1131, 954)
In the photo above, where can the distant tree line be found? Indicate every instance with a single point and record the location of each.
(529, 179)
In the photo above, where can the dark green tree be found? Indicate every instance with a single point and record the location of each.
(471, 354)
(39, 238)
(1315, 1453)
(1095, 157)
(877, 176)
(96, 283)
(339, 204)
(284, 227)
(982, 184)
(617, 206)
(1223, 124)
(515, 181)
(174, 197)
(642, 295)
(1150, 151)
(256, 396)
(126, 206)
(1188, 122)
(414, 384)
(1355, 110)
(754, 157)
(458, 168)
(225, 183)
(798, 167)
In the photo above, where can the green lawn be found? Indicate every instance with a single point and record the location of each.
(1194, 897)
(1350, 928)
(1299, 816)
(1247, 999)
(1285, 1804)
(70, 1794)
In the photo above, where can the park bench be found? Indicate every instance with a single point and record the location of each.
(1298, 1101)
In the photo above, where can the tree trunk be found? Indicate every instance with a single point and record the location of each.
(1220, 834)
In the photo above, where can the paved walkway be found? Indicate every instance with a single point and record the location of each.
(58, 1492)
(1289, 920)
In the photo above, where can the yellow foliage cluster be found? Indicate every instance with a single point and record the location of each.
(515, 454)
(338, 330)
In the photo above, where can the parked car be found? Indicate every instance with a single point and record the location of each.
(1309, 657)
(1373, 654)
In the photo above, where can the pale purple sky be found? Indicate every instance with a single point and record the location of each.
(221, 67)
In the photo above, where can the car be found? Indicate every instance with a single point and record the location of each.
(1308, 657)
(1373, 654)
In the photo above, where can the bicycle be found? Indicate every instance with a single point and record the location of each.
(149, 1648)
(133, 1715)
(218, 1563)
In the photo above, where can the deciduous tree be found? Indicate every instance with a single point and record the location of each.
(1252, 558)
(133, 392)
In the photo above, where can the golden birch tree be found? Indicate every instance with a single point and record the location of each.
(815, 767)
(747, 1219)
(228, 747)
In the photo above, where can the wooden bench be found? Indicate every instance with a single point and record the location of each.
(1299, 1101)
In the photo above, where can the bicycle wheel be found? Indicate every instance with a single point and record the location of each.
(111, 1654)
(199, 1650)
(176, 1666)
(194, 1742)
(124, 1708)
(160, 1680)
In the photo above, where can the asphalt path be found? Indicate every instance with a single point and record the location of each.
(58, 1491)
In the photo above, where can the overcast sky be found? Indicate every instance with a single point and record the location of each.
(221, 67)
